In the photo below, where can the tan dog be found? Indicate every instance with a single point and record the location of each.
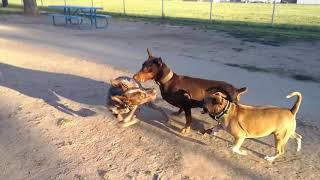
(243, 121)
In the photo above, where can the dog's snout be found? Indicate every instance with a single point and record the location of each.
(135, 77)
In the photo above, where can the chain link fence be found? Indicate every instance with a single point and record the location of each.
(245, 11)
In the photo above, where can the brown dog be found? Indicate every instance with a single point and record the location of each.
(182, 91)
(243, 121)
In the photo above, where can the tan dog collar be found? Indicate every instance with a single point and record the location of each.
(167, 77)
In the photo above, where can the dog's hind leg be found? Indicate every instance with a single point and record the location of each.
(298, 139)
(178, 112)
(281, 140)
(237, 144)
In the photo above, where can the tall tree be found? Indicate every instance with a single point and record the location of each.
(4, 3)
(30, 7)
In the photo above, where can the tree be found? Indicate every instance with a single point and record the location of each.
(4, 3)
(30, 7)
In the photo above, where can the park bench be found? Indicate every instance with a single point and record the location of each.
(77, 14)
(107, 19)
(68, 18)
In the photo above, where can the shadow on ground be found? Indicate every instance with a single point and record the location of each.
(50, 86)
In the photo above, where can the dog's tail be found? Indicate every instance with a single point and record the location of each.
(296, 106)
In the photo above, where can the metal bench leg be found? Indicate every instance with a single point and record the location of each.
(106, 25)
(53, 21)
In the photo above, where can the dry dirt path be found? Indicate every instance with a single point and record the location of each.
(53, 123)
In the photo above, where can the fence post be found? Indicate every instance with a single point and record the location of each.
(124, 6)
(211, 9)
(274, 7)
(162, 15)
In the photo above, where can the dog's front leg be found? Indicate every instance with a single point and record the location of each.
(131, 114)
(237, 144)
(188, 117)
(130, 119)
(119, 117)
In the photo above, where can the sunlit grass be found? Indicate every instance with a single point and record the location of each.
(294, 14)
(251, 21)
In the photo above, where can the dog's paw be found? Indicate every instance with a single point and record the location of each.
(270, 158)
(133, 121)
(185, 130)
(238, 151)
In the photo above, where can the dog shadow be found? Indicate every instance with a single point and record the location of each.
(158, 120)
(53, 87)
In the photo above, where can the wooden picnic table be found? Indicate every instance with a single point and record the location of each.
(71, 13)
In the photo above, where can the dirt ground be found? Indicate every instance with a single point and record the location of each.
(54, 123)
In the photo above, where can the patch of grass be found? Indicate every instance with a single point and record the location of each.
(11, 9)
(248, 21)
(294, 14)
(302, 77)
(278, 71)
(63, 121)
(248, 67)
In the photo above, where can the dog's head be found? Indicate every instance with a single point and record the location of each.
(135, 97)
(124, 83)
(214, 102)
(150, 70)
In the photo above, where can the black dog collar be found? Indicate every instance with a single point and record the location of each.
(222, 113)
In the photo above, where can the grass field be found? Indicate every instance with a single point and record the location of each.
(249, 21)
(290, 14)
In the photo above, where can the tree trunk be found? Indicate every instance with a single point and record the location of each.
(30, 7)
(4, 3)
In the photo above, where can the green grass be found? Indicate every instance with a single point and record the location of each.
(291, 14)
(249, 21)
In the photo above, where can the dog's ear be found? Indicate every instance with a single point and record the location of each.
(240, 92)
(114, 82)
(150, 55)
(219, 97)
(159, 61)
(220, 94)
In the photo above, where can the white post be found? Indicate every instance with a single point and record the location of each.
(162, 15)
(274, 7)
(124, 6)
(211, 9)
